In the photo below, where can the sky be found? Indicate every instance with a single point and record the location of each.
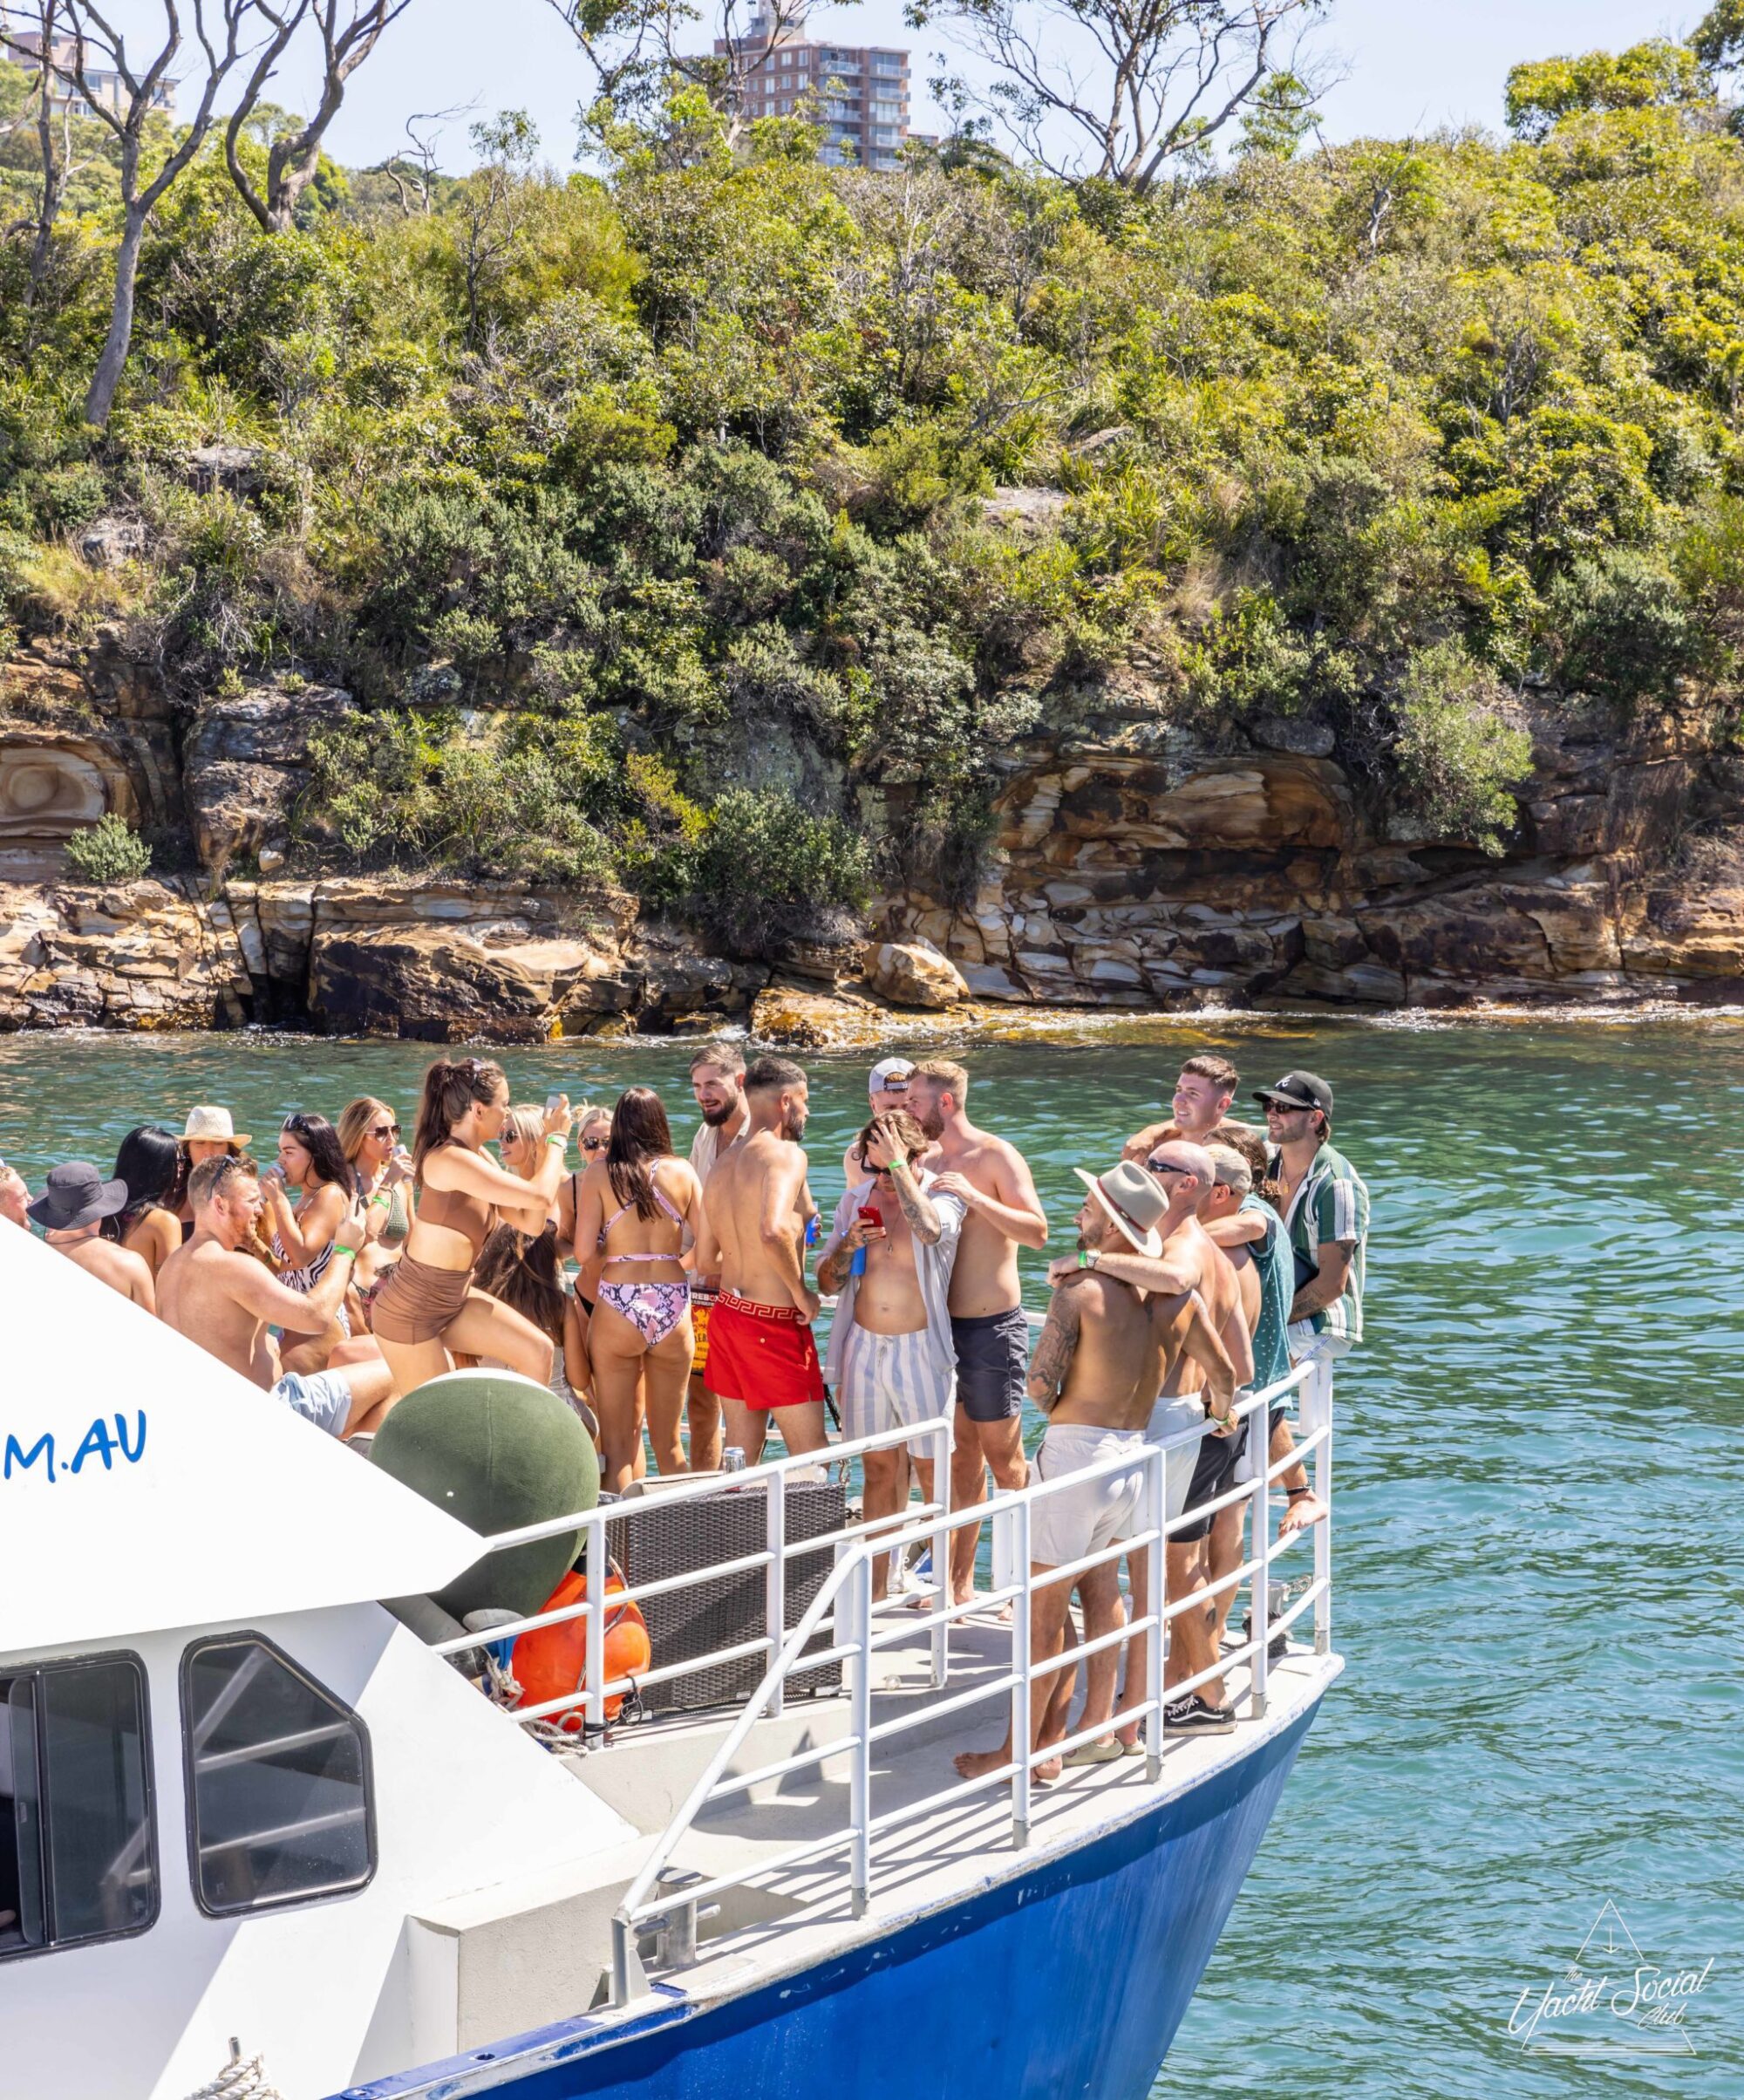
(1408, 66)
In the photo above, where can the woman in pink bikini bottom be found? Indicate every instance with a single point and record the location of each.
(639, 1206)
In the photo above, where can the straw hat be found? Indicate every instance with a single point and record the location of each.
(1132, 1200)
(213, 1127)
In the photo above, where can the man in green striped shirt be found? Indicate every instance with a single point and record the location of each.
(1325, 1213)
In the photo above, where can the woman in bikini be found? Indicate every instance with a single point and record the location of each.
(381, 1171)
(153, 1164)
(430, 1304)
(311, 1162)
(640, 1207)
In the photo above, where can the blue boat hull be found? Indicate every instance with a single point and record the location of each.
(1069, 1980)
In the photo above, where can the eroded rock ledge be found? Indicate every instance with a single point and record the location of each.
(1138, 865)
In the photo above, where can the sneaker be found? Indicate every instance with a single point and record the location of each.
(1196, 1716)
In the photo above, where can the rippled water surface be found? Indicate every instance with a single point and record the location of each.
(1538, 1573)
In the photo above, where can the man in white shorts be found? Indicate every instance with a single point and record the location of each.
(1102, 1356)
(891, 1359)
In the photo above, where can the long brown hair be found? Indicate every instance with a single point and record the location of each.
(451, 1086)
(521, 1271)
(640, 1134)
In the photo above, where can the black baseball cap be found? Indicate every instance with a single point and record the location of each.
(1298, 1090)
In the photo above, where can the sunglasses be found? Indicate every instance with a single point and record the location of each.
(1168, 1166)
(595, 1144)
(1277, 1106)
(385, 1131)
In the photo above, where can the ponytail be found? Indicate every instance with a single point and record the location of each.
(451, 1086)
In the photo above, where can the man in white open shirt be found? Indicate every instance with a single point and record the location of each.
(891, 1358)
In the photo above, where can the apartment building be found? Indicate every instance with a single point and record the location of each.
(862, 91)
(25, 48)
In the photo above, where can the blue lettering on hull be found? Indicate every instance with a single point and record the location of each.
(22, 1460)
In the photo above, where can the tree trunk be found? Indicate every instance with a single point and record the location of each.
(48, 211)
(112, 363)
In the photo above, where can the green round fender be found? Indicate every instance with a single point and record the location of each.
(496, 1451)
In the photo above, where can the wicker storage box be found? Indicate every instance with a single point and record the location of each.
(664, 1538)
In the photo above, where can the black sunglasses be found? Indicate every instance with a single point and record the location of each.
(595, 1144)
(1166, 1166)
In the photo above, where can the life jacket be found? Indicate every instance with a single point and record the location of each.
(552, 1660)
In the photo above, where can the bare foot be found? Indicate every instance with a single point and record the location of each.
(963, 1594)
(1046, 1773)
(976, 1764)
(1304, 1510)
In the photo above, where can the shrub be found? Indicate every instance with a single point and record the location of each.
(766, 868)
(1457, 755)
(109, 851)
(1623, 627)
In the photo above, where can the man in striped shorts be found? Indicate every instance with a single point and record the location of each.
(891, 1358)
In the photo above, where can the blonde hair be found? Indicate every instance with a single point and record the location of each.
(355, 1119)
(529, 1126)
(943, 1073)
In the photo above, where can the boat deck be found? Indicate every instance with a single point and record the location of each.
(785, 1917)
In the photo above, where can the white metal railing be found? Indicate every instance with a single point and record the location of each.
(776, 1557)
(853, 1641)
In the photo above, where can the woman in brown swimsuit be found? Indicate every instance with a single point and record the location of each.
(429, 1305)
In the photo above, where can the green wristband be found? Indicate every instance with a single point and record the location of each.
(556, 1138)
(337, 1249)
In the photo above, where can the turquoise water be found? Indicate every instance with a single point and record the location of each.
(1537, 1569)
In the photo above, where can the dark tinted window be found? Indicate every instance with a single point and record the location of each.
(78, 1854)
(278, 1779)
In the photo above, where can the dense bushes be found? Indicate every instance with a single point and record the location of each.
(108, 851)
(647, 515)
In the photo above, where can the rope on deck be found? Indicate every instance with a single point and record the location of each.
(241, 2078)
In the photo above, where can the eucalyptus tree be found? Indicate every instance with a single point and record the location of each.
(131, 101)
(1118, 89)
(347, 32)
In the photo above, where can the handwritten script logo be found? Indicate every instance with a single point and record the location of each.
(1610, 2000)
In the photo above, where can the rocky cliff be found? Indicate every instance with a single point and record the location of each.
(1137, 863)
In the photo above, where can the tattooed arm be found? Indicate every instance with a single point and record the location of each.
(1050, 1366)
(882, 1150)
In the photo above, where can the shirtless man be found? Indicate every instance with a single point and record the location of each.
(1203, 1095)
(70, 1210)
(15, 1196)
(992, 1180)
(1190, 1260)
(1103, 1353)
(225, 1300)
(762, 1355)
(717, 1088)
(891, 1357)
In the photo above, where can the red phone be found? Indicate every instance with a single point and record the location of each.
(871, 1215)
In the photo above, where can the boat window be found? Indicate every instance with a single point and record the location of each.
(77, 1848)
(278, 1779)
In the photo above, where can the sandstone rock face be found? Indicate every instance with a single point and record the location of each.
(246, 762)
(149, 955)
(1139, 865)
(1140, 861)
(914, 973)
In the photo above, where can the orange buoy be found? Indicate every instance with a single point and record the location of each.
(552, 1660)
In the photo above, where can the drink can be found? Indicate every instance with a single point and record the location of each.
(733, 1459)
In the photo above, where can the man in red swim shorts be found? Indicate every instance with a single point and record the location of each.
(762, 1358)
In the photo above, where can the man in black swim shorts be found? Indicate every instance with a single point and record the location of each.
(987, 1321)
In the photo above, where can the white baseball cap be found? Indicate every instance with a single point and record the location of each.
(889, 1072)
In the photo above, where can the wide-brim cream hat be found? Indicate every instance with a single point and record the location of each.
(213, 1127)
(1132, 1200)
